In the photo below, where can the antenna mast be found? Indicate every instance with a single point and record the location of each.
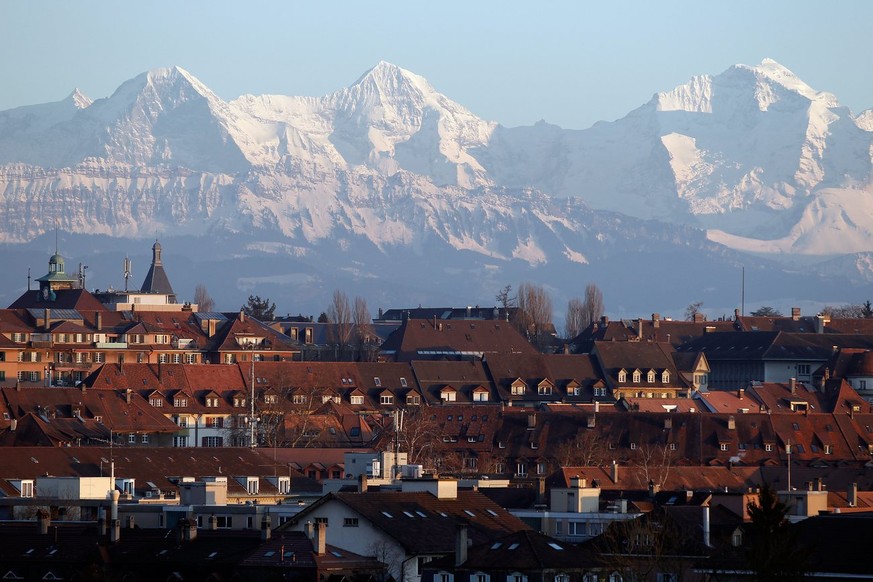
(126, 272)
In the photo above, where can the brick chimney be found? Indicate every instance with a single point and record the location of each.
(795, 313)
(43, 521)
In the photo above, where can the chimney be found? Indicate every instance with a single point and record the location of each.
(640, 328)
(319, 544)
(188, 526)
(699, 317)
(852, 495)
(566, 349)
(614, 472)
(531, 420)
(469, 311)
(114, 530)
(127, 395)
(792, 384)
(706, 526)
(819, 486)
(736, 314)
(461, 545)
(265, 527)
(795, 313)
(242, 316)
(213, 522)
(362, 483)
(113, 496)
(656, 320)
(380, 313)
(668, 423)
(43, 520)
(101, 521)
(604, 321)
(596, 406)
(541, 490)
(577, 482)
(47, 319)
(98, 321)
(740, 393)
(309, 528)
(592, 421)
(732, 423)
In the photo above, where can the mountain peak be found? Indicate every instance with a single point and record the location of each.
(79, 99)
(775, 72)
(389, 79)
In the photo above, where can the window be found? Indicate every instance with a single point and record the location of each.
(284, 485)
(357, 399)
(386, 399)
(673, 446)
(562, 578)
(239, 402)
(190, 358)
(212, 441)
(541, 468)
(180, 401)
(768, 447)
(156, 401)
(215, 421)
(377, 382)
(27, 488)
(633, 446)
(803, 369)
(622, 376)
(665, 377)
(253, 485)
(637, 376)
(131, 438)
(403, 383)
(517, 389)
(445, 577)
(145, 439)
(480, 396)
(98, 357)
(521, 469)
(723, 446)
(650, 377)
(269, 399)
(544, 390)
(162, 358)
(829, 449)
(180, 441)
(177, 358)
(448, 395)
(413, 399)
(350, 522)
(299, 399)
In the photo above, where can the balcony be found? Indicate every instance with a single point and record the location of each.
(110, 345)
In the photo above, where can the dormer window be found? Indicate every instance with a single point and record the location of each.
(180, 401)
(637, 376)
(448, 394)
(239, 402)
(665, 377)
(622, 376)
(650, 377)
(357, 399)
(269, 399)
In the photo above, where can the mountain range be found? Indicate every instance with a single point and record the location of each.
(390, 189)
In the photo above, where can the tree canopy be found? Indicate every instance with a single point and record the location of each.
(260, 309)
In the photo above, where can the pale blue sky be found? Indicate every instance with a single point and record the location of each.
(570, 63)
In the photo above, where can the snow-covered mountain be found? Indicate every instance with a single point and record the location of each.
(766, 163)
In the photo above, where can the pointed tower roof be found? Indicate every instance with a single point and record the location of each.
(156, 280)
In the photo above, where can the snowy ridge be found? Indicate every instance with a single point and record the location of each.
(753, 153)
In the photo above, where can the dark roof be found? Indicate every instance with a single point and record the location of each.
(423, 523)
(156, 280)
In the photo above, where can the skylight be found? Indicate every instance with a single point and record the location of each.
(496, 545)
(388, 515)
(512, 546)
(470, 513)
(555, 546)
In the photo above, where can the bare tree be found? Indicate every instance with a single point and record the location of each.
(505, 298)
(583, 450)
(655, 460)
(592, 306)
(848, 311)
(202, 298)
(693, 310)
(535, 306)
(364, 333)
(339, 316)
(421, 438)
(573, 322)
